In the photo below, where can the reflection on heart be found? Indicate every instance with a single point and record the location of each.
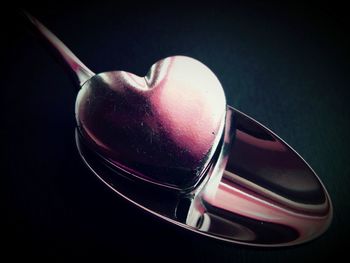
(163, 127)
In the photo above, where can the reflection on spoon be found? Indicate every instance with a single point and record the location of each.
(243, 205)
(267, 195)
(251, 188)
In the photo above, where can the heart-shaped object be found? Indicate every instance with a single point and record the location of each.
(163, 127)
(173, 128)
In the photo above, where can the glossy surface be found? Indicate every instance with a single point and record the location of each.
(255, 190)
(163, 128)
(81, 73)
(269, 198)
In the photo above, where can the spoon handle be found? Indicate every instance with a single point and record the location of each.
(81, 72)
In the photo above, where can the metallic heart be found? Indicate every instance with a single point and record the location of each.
(163, 128)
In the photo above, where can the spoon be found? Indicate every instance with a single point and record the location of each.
(168, 143)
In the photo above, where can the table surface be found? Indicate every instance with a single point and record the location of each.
(285, 66)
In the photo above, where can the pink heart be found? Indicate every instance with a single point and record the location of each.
(163, 128)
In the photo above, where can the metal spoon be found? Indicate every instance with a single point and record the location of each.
(252, 189)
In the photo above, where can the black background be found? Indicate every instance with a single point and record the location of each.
(284, 64)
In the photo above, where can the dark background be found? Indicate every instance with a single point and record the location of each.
(286, 65)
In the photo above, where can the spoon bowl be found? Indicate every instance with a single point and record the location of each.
(245, 200)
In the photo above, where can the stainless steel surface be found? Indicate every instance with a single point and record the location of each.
(81, 73)
(271, 198)
(238, 182)
(163, 128)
